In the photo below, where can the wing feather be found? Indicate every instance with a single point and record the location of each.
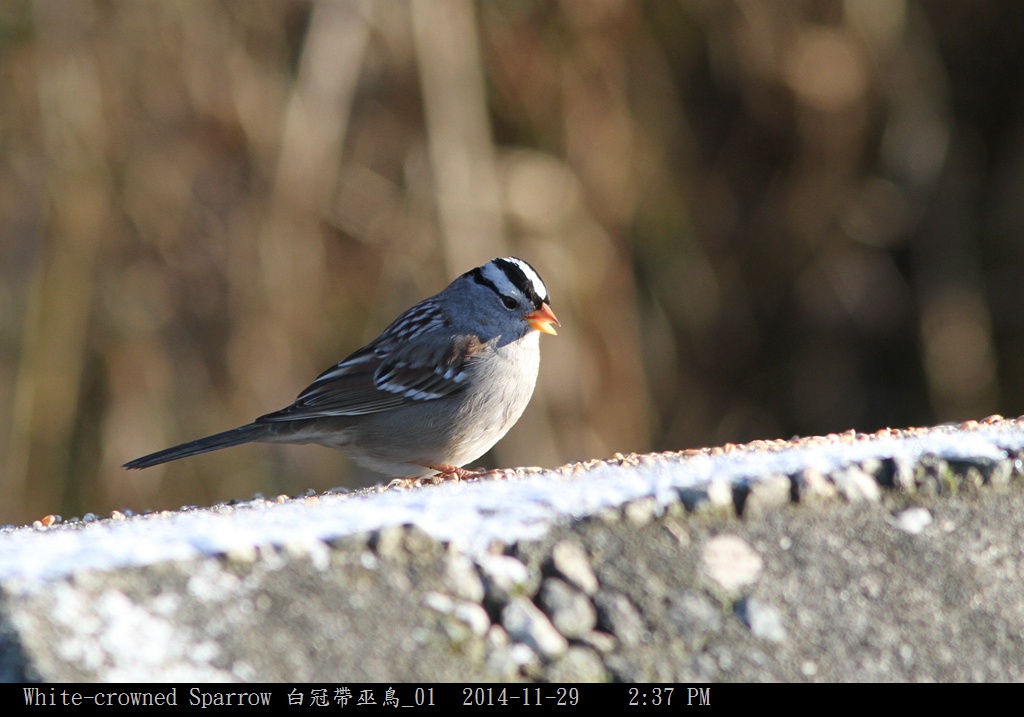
(397, 369)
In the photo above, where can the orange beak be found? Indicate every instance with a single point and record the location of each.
(542, 318)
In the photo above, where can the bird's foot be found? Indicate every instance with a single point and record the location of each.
(445, 473)
(403, 483)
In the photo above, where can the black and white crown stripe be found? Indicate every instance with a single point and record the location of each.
(502, 274)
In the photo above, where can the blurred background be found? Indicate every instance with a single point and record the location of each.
(756, 220)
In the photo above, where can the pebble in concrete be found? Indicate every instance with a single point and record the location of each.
(570, 559)
(764, 621)
(570, 610)
(731, 563)
(621, 616)
(525, 623)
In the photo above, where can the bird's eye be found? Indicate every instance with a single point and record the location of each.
(509, 302)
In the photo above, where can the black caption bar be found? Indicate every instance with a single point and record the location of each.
(363, 698)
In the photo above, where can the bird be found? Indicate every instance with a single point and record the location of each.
(434, 391)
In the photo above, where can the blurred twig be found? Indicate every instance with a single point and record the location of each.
(458, 132)
(58, 319)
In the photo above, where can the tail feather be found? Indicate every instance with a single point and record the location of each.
(235, 437)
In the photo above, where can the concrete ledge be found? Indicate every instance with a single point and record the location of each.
(894, 556)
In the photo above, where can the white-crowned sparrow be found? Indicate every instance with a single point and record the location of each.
(440, 386)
